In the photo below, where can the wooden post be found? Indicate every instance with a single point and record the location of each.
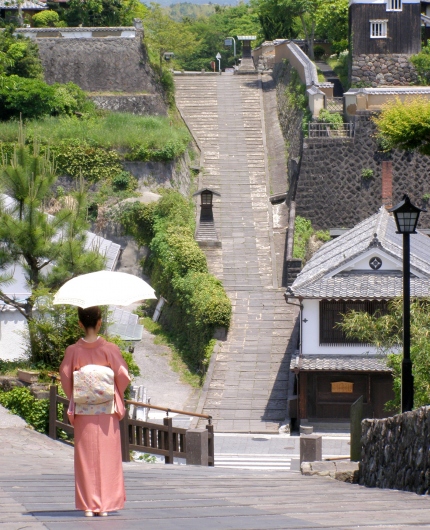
(125, 438)
(197, 447)
(356, 417)
(169, 423)
(211, 445)
(53, 411)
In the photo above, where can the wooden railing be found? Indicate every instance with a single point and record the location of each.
(142, 436)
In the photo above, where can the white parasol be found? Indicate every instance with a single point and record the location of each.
(104, 288)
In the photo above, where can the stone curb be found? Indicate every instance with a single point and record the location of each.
(343, 470)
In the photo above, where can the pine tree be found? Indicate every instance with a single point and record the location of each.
(50, 249)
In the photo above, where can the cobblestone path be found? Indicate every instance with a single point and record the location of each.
(249, 385)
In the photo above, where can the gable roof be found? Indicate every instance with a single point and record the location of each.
(322, 276)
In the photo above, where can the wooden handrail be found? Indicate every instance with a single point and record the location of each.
(149, 406)
(166, 409)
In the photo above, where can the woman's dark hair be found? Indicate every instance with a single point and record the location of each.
(89, 316)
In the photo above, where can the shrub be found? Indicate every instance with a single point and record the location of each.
(80, 159)
(46, 19)
(33, 98)
(34, 411)
(197, 302)
(334, 119)
(367, 173)
(29, 98)
(421, 61)
(123, 181)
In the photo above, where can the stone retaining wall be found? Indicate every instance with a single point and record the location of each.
(98, 64)
(330, 189)
(395, 452)
(383, 70)
(290, 120)
(142, 104)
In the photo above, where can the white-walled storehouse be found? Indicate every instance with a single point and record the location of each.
(360, 270)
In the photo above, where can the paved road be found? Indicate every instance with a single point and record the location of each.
(37, 492)
(249, 387)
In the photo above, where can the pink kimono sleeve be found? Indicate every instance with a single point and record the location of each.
(122, 379)
(66, 372)
(66, 376)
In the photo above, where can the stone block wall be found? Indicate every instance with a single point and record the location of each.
(141, 104)
(290, 120)
(395, 452)
(99, 64)
(330, 189)
(382, 70)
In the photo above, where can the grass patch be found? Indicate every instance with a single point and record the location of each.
(121, 131)
(166, 338)
(340, 66)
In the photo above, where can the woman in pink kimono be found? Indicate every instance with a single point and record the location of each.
(99, 480)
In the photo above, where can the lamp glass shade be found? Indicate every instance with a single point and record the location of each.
(406, 222)
(406, 216)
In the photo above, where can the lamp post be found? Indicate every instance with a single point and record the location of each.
(406, 216)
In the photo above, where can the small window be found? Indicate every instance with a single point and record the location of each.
(394, 5)
(378, 29)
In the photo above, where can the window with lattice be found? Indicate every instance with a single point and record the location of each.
(378, 29)
(331, 315)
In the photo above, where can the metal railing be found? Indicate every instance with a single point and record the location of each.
(334, 104)
(330, 130)
(136, 435)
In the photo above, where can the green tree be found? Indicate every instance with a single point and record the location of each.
(49, 249)
(210, 33)
(385, 332)
(19, 56)
(99, 12)
(405, 125)
(277, 19)
(421, 61)
(162, 34)
(46, 19)
(332, 22)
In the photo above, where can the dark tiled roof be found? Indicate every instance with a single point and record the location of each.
(27, 4)
(379, 286)
(345, 363)
(318, 278)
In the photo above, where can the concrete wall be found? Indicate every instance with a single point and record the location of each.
(395, 452)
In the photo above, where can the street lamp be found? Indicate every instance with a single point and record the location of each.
(406, 216)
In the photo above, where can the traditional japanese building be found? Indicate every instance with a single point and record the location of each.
(360, 270)
(383, 35)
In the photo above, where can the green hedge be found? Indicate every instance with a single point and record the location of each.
(34, 411)
(197, 302)
(33, 98)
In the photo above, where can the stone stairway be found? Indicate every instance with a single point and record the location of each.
(249, 385)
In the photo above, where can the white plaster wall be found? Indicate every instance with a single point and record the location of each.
(12, 344)
(311, 334)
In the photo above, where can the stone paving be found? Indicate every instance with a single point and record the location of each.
(249, 387)
(37, 492)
